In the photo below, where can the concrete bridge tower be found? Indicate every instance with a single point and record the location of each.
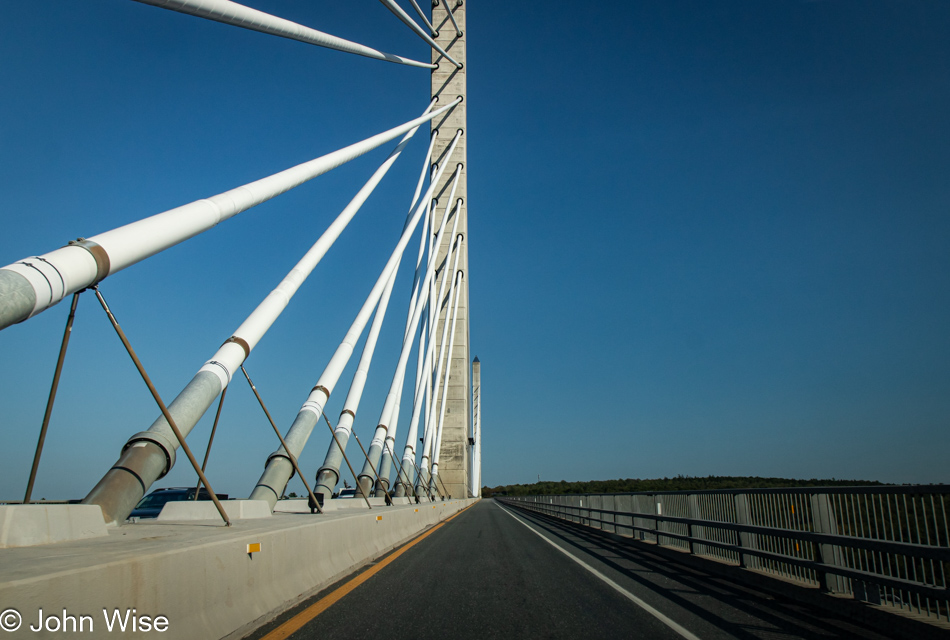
(448, 82)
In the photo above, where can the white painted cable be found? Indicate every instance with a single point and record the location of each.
(409, 22)
(232, 354)
(40, 282)
(432, 30)
(238, 15)
(445, 385)
(455, 24)
(425, 362)
(376, 445)
(443, 343)
(329, 473)
(276, 474)
(352, 403)
(415, 299)
(114, 490)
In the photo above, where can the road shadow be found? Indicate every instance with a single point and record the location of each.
(716, 598)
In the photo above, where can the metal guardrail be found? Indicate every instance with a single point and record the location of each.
(888, 546)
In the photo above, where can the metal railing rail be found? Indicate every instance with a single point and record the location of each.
(887, 545)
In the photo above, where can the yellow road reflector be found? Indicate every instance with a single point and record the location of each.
(254, 547)
(417, 511)
(378, 518)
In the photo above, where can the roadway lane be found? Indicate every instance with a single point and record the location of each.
(487, 575)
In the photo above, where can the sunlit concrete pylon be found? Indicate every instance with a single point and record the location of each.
(448, 83)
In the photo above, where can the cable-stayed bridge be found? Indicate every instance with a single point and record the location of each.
(215, 568)
(436, 216)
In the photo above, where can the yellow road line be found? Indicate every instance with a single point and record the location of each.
(294, 624)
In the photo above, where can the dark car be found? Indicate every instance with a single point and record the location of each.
(151, 505)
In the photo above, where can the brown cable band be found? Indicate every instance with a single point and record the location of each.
(353, 415)
(285, 456)
(103, 264)
(241, 342)
(384, 428)
(320, 387)
(326, 470)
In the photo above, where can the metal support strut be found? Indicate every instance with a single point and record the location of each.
(52, 397)
(343, 451)
(372, 468)
(214, 428)
(400, 473)
(290, 456)
(161, 405)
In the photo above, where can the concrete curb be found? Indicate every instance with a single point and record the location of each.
(205, 510)
(199, 575)
(34, 524)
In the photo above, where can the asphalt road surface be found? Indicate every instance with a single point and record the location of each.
(486, 574)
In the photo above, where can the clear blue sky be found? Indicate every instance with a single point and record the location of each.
(706, 238)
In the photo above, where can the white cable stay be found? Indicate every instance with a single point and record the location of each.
(447, 281)
(432, 30)
(385, 467)
(445, 385)
(125, 484)
(402, 15)
(406, 477)
(329, 474)
(389, 443)
(448, 9)
(279, 469)
(416, 298)
(415, 294)
(35, 284)
(390, 433)
(238, 15)
(376, 445)
(386, 423)
(424, 357)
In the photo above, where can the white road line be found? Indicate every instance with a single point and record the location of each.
(634, 599)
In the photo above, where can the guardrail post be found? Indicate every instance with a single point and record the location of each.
(657, 510)
(823, 521)
(643, 507)
(627, 507)
(746, 540)
(692, 505)
(613, 516)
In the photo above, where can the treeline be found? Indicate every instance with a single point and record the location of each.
(679, 483)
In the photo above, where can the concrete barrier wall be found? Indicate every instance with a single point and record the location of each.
(202, 579)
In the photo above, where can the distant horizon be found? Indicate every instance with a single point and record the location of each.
(686, 477)
(838, 484)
